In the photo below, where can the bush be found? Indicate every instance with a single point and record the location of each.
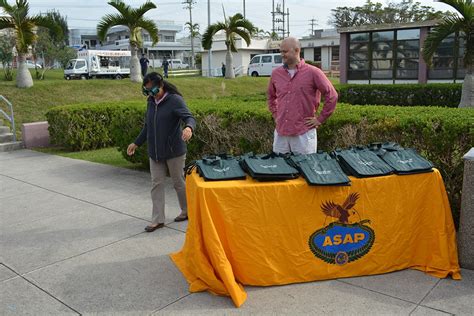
(446, 95)
(82, 126)
(231, 125)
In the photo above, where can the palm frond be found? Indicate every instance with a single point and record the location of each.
(6, 23)
(149, 26)
(209, 34)
(464, 7)
(107, 22)
(144, 8)
(124, 9)
(438, 34)
(47, 22)
(246, 35)
(6, 7)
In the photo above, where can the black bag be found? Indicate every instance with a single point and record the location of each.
(361, 162)
(319, 169)
(217, 168)
(403, 161)
(271, 167)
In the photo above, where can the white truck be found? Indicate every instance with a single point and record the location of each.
(99, 64)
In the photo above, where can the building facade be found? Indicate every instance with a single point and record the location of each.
(118, 39)
(391, 53)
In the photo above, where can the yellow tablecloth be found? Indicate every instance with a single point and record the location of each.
(254, 233)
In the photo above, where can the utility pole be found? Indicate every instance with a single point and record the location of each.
(244, 9)
(209, 55)
(188, 4)
(312, 23)
(280, 20)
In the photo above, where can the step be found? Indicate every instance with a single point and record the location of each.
(4, 130)
(11, 146)
(6, 138)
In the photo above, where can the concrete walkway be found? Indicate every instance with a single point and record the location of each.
(72, 242)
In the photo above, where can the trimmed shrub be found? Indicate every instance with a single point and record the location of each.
(438, 94)
(442, 135)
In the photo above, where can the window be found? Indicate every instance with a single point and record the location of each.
(335, 53)
(169, 38)
(277, 59)
(443, 60)
(80, 64)
(266, 59)
(359, 56)
(384, 55)
(408, 52)
(255, 60)
(317, 54)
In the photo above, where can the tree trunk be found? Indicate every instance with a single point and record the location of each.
(229, 67)
(23, 77)
(467, 96)
(135, 69)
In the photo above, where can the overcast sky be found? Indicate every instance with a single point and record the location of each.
(87, 13)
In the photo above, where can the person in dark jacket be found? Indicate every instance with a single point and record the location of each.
(168, 126)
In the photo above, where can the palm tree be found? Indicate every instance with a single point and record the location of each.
(24, 27)
(233, 26)
(133, 19)
(462, 24)
(194, 32)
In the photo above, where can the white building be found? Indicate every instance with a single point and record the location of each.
(322, 48)
(118, 39)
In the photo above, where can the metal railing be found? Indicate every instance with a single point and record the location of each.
(11, 117)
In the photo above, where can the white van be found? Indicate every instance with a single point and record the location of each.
(177, 64)
(263, 64)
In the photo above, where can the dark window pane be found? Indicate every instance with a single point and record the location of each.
(402, 45)
(440, 74)
(407, 64)
(266, 59)
(408, 34)
(407, 74)
(358, 64)
(358, 56)
(358, 75)
(317, 54)
(447, 42)
(382, 36)
(335, 53)
(359, 37)
(382, 74)
(255, 60)
(382, 45)
(408, 54)
(382, 54)
(443, 63)
(358, 46)
(444, 52)
(461, 73)
(382, 64)
(277, 59)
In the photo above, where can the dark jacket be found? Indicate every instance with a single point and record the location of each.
(163, 127)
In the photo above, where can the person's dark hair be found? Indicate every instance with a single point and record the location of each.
(157, 79)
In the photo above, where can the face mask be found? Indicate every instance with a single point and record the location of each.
(150, 92)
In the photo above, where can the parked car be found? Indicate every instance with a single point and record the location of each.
(177, 64)
(263, 64)
(31, 64)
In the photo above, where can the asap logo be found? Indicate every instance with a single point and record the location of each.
(343, 240)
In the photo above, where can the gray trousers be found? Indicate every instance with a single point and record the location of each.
(158, 176)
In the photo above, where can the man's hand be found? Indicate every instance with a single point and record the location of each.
(131, 149)
(312, 121)
(187, 133)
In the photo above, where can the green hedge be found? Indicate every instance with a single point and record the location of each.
(443, 135)
(437, 94)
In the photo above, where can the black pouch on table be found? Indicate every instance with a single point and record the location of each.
(319, 169)
(217, 168)
(402, 160)
(361, 162)
(271, 167)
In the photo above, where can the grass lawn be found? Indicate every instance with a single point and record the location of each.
(110, 156)
(30, 105)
